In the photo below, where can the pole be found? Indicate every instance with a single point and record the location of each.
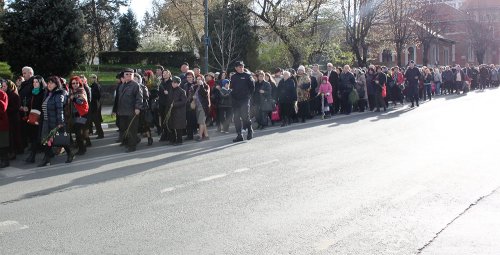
(206, 36)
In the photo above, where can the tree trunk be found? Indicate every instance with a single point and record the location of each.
(399, 52)
(425, 57)
(294, 50)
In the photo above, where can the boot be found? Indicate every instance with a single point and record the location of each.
(45, 161)
(250, 133)
(150, 141)
(239, 138)
(31, 158)
(87, 142)
(70, 157)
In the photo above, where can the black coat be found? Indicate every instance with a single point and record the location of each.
(178, 99)
(95, 104)
(55, 111)
(162, 98)
(287, 92)
(347, 82)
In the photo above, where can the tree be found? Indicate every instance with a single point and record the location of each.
(481, 37)
(100, 18)
(51, 43)
(284, 16)
(158, 38)
(359, 17)
(400, 24)
(428, 28)
(231, 37)
(128, 32)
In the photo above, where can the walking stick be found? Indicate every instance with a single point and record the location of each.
(128, 128)
(167, 117)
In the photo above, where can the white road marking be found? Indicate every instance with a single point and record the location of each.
(267, 163)
(213, 177)
(168, 190)
(241, 170)
(11, 226)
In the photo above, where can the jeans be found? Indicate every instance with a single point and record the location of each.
(427, 91)
(438, 87)
(241, 115)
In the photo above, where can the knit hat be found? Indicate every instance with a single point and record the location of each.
(224, 82)
(176, 79)
(303, 68)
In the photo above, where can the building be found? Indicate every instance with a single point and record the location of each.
(453, 3)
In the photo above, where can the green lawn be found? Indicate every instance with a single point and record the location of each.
(107, 118)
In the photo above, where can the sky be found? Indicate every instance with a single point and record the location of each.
(139, 7)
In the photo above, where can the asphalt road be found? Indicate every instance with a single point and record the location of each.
(410, 181)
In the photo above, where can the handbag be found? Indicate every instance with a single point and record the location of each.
(353, 97)
(34, 117)
(80, 120)
(267, 105)
(384, 91)
(275, 115)
(61, 138)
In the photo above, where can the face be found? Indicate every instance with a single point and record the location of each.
(197, 71)
(315, 68)
(27, 74)
(266, 78)
(286, 76)
(175, 84)
(199, 81)
(166, 75)
(223, 76)
(74, 84)
(158, 72)
(261, 77)
(208, 78)
(300, 72)
(36, 83)
(329, 67)
(240, 69)
(128, 76)
(4, 86)
(51, 86)
(184, 68)
(19, 81)
(190, 78)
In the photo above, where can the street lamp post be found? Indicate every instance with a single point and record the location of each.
(206, 38)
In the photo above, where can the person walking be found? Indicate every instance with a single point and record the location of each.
(243, 86)
(412, 76)
(95, 107)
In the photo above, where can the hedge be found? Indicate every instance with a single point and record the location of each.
(147, 58)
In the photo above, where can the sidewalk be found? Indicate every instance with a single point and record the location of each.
(475, 232)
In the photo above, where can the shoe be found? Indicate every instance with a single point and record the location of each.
(45, 162)
(100, 137)
(88, 143)
(283, 124)
(70, 158)
(378, 110)
(198, 139)
(31, 158)
(131, 149)
(412, 105)
(150, 141)
(250, 134)
(239, 138)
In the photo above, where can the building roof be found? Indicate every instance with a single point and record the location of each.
(444, 12)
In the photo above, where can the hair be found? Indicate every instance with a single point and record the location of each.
(271, 79)
(259, 73)
(29, 69)
(78, 79)
(11, 86)
(220, 75)
(139, 78)
(287, 73)
(56, 80)
(168, 71)
(41, 81)
(160, 67)
(149, 73)
(190, 72)
(185, 64)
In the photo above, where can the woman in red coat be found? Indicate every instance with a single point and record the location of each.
(4, 130)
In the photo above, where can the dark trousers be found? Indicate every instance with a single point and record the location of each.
(286, 112)
(346, 105)
(241, 115)
(413, 94)
(304, 110)
(224, 117)
(95, 121)
(192, 124)
(427, 91)
(79, 130)
(262, 117)
(129, 125)
(362, 105)
(371, 101)
(379, 100)
(175, 135)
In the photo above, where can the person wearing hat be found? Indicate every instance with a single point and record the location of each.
(128, 109)
(412, 76)
(177, 100)
(243, 86)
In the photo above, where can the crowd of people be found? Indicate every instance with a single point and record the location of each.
(43, 115)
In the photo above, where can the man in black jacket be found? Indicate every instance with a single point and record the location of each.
(243, 86)
(412, 76)
(95, 117)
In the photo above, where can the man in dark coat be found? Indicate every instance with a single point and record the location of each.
(243, 86)
(95, 117)
(346, 85)
(128, 109)
(333, 78)
(177, 112)
(412, 75)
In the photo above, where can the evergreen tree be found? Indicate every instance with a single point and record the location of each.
(231, 36)
(128, 32)
(43, 34)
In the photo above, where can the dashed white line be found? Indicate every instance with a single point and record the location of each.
(167, 190)
(241, 170)
(11, 226)
(213, 177)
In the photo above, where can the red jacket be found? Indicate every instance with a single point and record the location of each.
(4, 119)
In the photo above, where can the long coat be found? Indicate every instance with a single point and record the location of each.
(14, 121)
(4, 120)
(178, 100)
(55, 111)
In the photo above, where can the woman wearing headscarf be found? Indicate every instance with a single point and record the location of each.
(78, 109)
(53, 117)
(15, 145)
(164, 91)
(34, 105)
